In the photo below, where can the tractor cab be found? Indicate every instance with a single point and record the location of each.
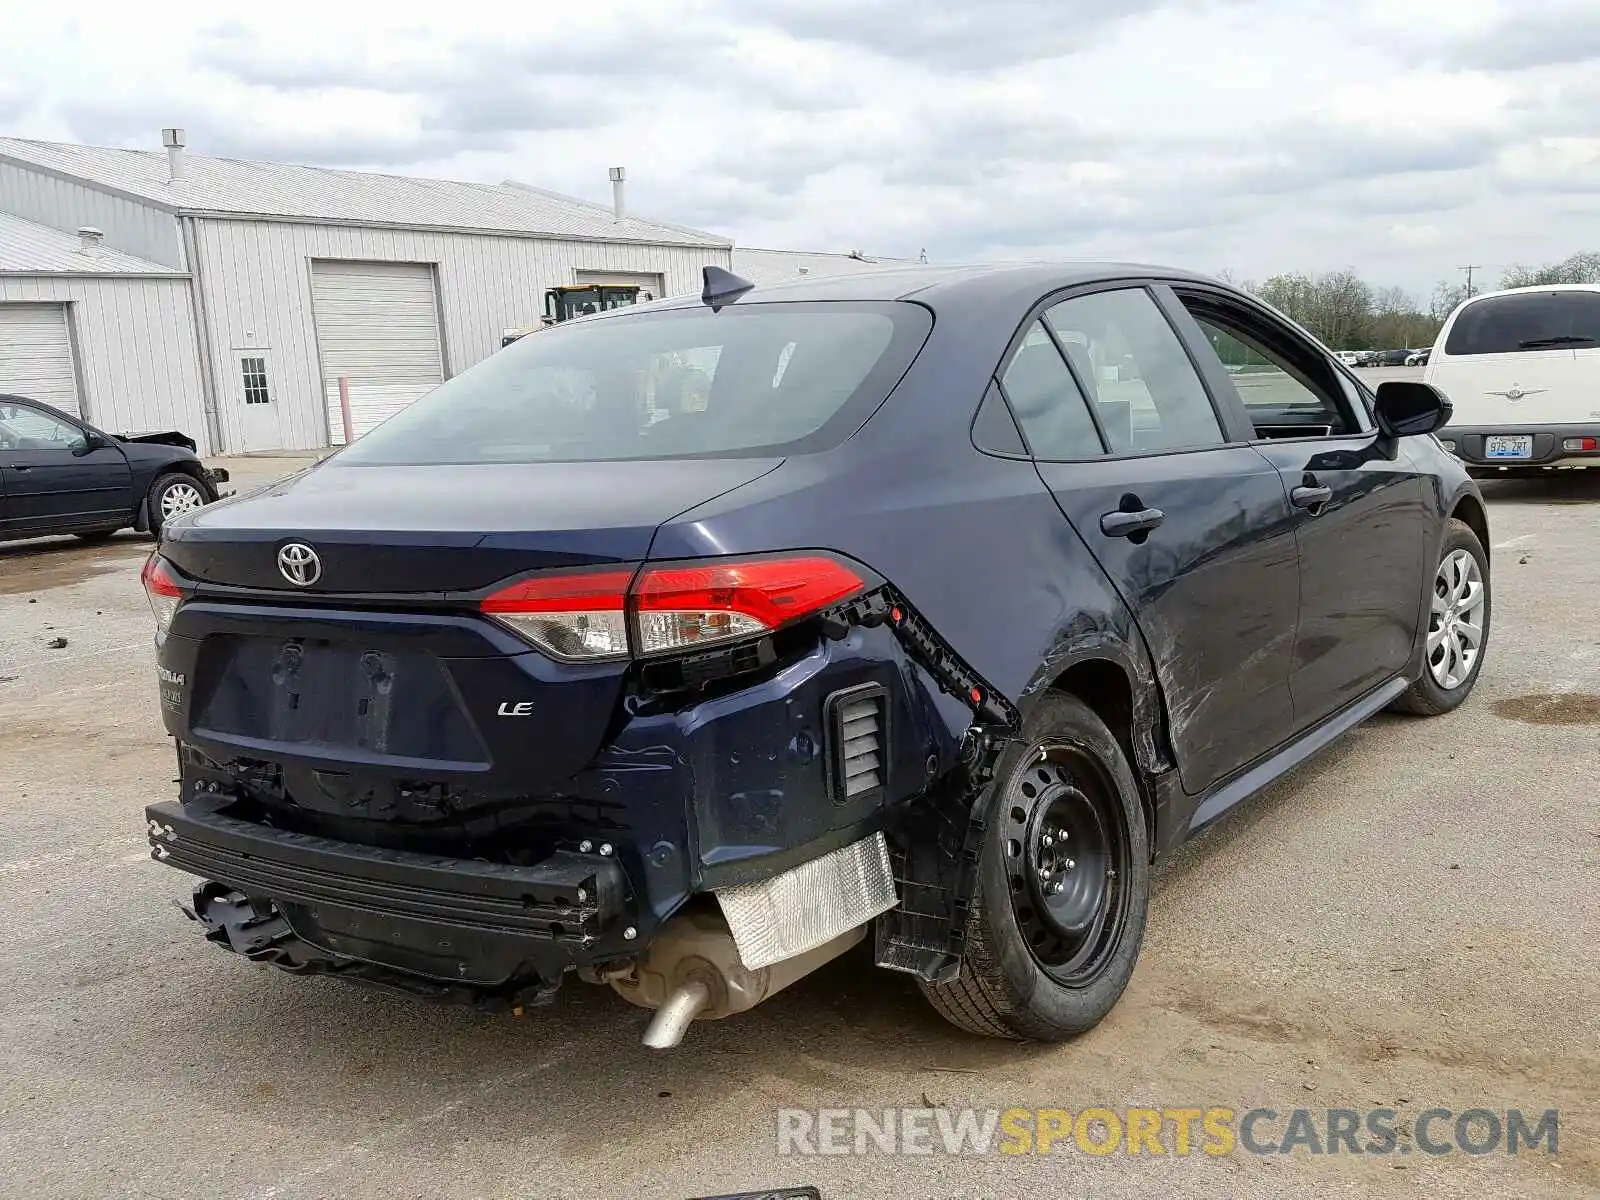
(580, 300)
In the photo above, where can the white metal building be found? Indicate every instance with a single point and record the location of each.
(294, 277)
(97, 332)
(764, 268)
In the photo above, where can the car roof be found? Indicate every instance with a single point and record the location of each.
(936, 285)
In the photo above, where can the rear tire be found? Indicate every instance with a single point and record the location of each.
(1437, 690)
(173, 495)
(1041, 964)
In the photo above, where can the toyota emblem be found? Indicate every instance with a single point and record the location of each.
(299, 564)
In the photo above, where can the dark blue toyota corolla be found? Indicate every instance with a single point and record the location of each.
(680, 648)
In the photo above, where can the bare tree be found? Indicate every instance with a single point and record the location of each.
(1579, 268)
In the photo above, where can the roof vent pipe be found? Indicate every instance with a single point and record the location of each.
(89, 239)
(174, 141)
(619, 209)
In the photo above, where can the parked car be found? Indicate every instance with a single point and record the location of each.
(1391, 358)
(1350, 358)
(552, 674)
(1418, 358)
(1367, 358)
(59, 474)
(1523, 370)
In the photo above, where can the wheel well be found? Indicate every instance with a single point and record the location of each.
(1469, 511)
(1105, 687)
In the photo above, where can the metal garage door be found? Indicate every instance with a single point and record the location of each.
(650, 283)
(378, 327)
(36, 354)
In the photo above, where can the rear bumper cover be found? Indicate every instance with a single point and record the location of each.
(1547, 449)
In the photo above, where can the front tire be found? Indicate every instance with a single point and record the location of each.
(1058, 914)
(1459, 608)
(172, 496)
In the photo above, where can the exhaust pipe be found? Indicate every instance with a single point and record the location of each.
(672, 1019)
(692, 970)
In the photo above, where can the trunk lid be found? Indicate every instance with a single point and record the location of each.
(429, 530)
(379, 692)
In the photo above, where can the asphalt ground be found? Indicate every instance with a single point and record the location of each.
(1407, 922)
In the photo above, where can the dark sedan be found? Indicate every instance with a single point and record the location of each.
(675, 649)
(59, 474)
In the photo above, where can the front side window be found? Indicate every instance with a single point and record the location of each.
(1524, 321)
(23, 427)
(1142, 385)
(1285, 398)
(681, 383)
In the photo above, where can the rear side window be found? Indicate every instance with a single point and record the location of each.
(1047, 401)
(681, 383)
(1526, 321)
(1143, 387)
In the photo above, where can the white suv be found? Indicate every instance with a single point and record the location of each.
(1522, 370)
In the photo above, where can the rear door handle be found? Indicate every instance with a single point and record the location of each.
(22, 466)
(1309, 496)
(1126, 524)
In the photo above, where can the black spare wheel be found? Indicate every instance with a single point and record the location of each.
(1063, 884)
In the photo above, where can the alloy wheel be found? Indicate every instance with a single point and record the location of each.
(180, 498)
(1455, 624)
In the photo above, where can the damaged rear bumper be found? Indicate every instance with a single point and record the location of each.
(442, 924)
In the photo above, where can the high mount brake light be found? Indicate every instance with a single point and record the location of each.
(585, 617)
(577, 617)
(162, 588)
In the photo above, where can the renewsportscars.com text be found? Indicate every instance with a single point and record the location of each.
(1181, 1131)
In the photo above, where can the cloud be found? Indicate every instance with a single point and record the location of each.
(1529, 35)
(980, 37)
(1263, 135)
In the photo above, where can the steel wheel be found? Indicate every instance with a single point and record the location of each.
(180, 498)
(1455, 624)
(1067, 858)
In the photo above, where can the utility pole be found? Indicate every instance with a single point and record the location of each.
(1469, 269)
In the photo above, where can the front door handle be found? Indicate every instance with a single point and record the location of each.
(1126, 524)
(1312, 496)
(22, 466)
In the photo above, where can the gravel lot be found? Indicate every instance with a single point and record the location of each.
(1409, 921)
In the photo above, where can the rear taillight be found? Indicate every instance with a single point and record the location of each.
(590, 616)
(686, 605)
(576, 618)
(1580, 443)
(162, 588)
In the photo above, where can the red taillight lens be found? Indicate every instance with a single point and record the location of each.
(685, 605)
(584, 616)
(576, 618)
(161, 586)
(1580, 443)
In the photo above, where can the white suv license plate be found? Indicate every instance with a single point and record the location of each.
(1508, 447)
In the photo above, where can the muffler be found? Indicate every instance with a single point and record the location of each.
(708, 964)
(692, 971)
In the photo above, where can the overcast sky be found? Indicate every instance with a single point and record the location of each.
(1401, 137)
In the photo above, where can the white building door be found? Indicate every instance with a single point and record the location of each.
(378, 329)
(36, 355)
(257, 394)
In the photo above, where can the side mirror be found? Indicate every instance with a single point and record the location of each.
(91, 443)
(1407, 408)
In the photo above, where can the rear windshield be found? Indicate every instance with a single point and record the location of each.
(1526, 321)
(752, 379)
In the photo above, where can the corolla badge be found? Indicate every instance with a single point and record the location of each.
(1514, 393)
(299, 564)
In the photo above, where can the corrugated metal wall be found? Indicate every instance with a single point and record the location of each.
(256, 279)
(138, 357)
(128, 225)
